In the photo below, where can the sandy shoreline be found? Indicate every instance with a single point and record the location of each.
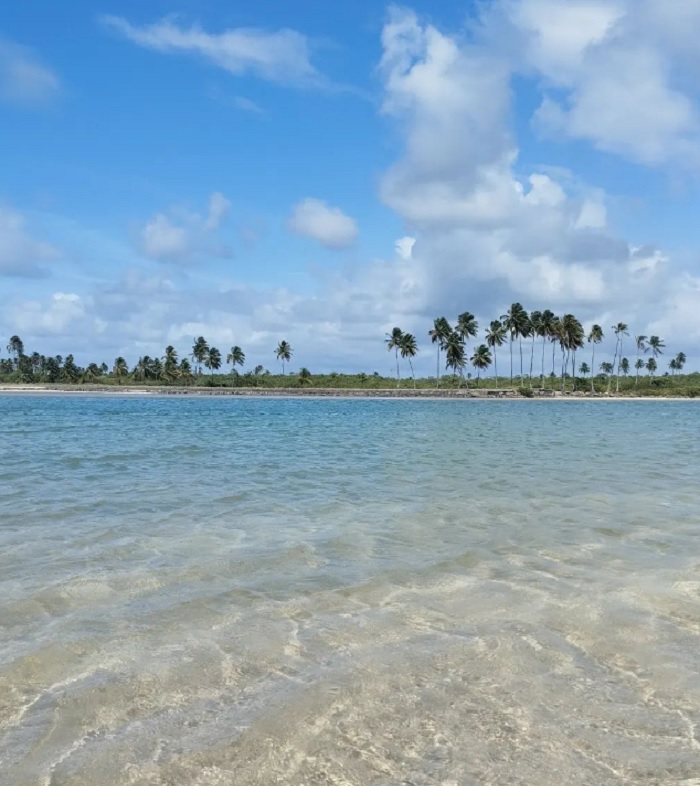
(483, 394)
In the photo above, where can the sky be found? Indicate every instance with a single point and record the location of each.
(323, 172)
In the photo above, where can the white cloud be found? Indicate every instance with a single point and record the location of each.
(182, 235)
(23, 78)
(404, 247)
(279, 56)
(617, 73)
(246, 105)
(20, 254)
(327, 225)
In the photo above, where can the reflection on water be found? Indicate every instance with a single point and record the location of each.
(349, 592)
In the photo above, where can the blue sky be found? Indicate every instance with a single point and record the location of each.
(274, 170)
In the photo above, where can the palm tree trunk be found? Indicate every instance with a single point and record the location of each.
(532, 356)
(593, 368)
(437, 376)
(495, 363)
(636, 375)
(412, 373)
(511, 360)
(617, 378)
(398, 378)
(554, 362)
(564, 366)
(614, 364)
(520, 339)
(573, 371)
(544, 340)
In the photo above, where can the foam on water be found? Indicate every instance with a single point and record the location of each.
(199, 591)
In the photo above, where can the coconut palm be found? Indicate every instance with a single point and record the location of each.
(495, 337)
(15, 347)
(170, 366)
(572, 338)
(120, 369)
(284, 353)
(304, 376)
(595, 336)
(212, 360)
(408, 349)
(625, 367)
(439, 334)
(535, 328)
(467, 327)
(481, 360)
(547, 322)
(185, 370)
(607, 368)
(199, 352)
(454, 354)
(621, 330)
(680, 361)
(656, 345)
(651, 366)
(642, 348)
(673, 365)
(639, 365)
(236, 357)
(584, 369)
(517, 324)
(393, 341)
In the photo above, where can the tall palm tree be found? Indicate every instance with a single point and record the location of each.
(439, 334)
(199, 352)
(651, 366)
(572, 338)
(408, 349)
(15, 347)
(467, 327)
(236, 357)
(454, 354)
(673, 365)
(620, 331)
(284, 353)
(481, 360)
(517, 324)
(213, 360)
(680, 361)
(170, 364)
(393, 341)
(495, 337)
(185, 370)
(120, 369)
(535, 328)
(641, 345)
(547, 322)
(595, 336)
(656, 345)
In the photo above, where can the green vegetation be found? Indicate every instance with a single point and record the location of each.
(564, 333)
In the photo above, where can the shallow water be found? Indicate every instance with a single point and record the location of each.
(224, 591)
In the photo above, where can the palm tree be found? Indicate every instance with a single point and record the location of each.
(656, 345)
(185, 370)
(408, 349)
(639, 365)
(495, 337)
(199, 352)
(467, 327)
(571, 337)
(212, 360)
(673, 365)
(546, 325)
(454, 354)
(393, 341)
(607, 368)
(517, 324)
(651, 366)
(535, 332)
(621, 330)
(120, 369)
(15, 347)
(641, 344)
(680, 361)
(170, 367)
(481, 360)
(284, 353)
(304, 376)
(594, 337)
(439, 334)
(625, 367)
(236, 357)
(584, 369)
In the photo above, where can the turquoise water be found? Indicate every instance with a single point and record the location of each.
(229, 591)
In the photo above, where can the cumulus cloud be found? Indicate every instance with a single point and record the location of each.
(181, 235)
(613, 72)
(328, 225)
(21, 254)
(279, 56)
(23, 78)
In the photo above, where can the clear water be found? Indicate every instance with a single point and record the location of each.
(209, 591)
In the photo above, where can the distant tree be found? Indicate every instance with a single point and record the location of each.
(284, 353)
(171, 370)
(680, 361)
(673, 365)
(639, 365)
(200, 347)
(595, 336)
(454, 354)
(408, 350)
(362, 377)
(304, 376)
(657, 346)
(651, 366)
(625, 367)
(496, 337)
(517, 323)
(236, 357)
(547, 324)
(185, 370)
(621, 330)
(439, 334)
(120, 369)
(393, 342)
(607, 368)
(15, 347)
(212, 360)
(258, 370)
(481, 360)
(584, 369)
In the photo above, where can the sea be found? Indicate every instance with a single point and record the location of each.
(219, 591)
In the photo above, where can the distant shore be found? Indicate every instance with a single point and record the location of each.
(482, 394)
